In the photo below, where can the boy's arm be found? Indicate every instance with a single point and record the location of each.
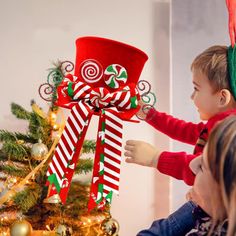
(176, 164)
(177, 129)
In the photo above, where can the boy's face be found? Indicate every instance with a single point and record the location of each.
(203, 96)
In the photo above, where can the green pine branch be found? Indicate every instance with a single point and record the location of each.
(89, 146)
(84, 166)
(28, 197)
(14, 170)
(40, 128)
(41, 177)
(16, 151)
(77, 200)
(34, 125)
(25, 137)
(6, 136)
(3, 156)
(20, 112)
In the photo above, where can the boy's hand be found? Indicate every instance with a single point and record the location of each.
(143, 111)
(141, 153)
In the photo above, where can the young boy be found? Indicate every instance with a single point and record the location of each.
(214, 99)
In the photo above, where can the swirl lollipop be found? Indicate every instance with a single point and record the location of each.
(115, 76)
(91, 71)
(100, 97)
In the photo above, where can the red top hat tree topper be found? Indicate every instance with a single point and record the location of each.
(108, 63)
(104, 83)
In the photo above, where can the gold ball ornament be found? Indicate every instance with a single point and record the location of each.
(110, 227)
(21, 228)
(39, 150)
(56, 127)
(63, 230)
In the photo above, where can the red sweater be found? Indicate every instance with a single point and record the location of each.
(176, 164)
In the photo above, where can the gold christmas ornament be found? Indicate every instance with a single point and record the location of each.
(55, 127)
(39, 151)
(110, 227)
(21, 228)
(63, 230)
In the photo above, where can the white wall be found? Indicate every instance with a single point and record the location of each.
(196, 25)
(36, 33)
(161, 58)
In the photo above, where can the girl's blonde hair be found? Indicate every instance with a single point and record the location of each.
(221, 159)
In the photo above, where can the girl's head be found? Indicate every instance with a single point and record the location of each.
(215, 184)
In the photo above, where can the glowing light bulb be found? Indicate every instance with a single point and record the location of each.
(55, 127)
(48, 227)
(53, 116)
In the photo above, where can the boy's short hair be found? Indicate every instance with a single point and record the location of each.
(213, 63)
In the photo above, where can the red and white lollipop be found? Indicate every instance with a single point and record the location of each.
(115, 76)
(100, 97)
(91, 71)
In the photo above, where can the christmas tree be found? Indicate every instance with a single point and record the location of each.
(24, 161)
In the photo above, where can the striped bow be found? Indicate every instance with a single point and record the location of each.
(112, 109)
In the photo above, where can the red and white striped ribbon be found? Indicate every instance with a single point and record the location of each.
(65, 149)
(64, 161)
(112, 153)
